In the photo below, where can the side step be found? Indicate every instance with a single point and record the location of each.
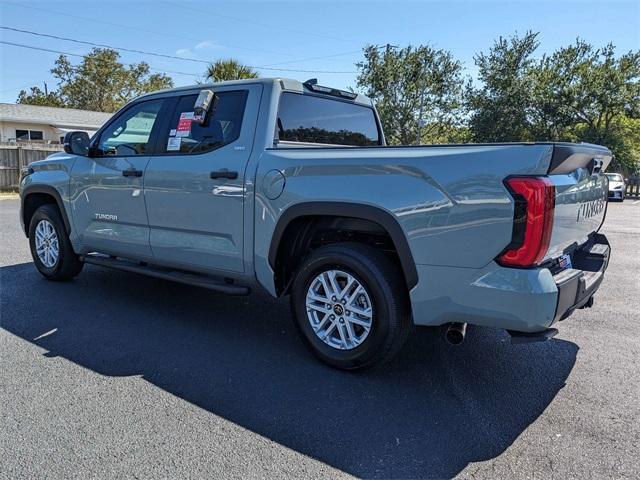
(523, 337)
(167, 274)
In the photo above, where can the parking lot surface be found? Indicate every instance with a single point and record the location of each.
(115, 374)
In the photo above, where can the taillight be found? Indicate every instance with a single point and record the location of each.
(532, 223)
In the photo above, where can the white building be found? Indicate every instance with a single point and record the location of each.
(19, 122)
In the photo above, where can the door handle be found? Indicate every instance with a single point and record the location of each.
(132, 173)
(230, 174)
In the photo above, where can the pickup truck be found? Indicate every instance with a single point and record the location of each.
(289, 187)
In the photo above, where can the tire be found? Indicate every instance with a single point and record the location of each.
(66, 264)
(384, 298)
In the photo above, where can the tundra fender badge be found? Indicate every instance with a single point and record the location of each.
(105, 216)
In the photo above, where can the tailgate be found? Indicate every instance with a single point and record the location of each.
(576, 171)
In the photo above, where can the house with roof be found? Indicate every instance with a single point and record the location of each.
(34, 123)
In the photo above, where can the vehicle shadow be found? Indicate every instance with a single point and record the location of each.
(426, 415)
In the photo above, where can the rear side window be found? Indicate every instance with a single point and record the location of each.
(311, 119)
(221, 128)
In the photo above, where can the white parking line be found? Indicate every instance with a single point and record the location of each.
(636, 202)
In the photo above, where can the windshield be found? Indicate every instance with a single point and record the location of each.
(614, 177)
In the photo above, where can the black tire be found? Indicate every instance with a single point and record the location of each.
(67, 265)
(386, 287)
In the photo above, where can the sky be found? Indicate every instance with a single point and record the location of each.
(300, 40)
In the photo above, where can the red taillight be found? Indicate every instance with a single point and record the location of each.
(533, 221)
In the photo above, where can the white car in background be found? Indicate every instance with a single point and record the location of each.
(616, 186)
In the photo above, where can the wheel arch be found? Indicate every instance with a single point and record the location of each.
(33, 196)
(356, 212)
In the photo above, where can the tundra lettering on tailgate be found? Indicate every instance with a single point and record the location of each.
(590, 209)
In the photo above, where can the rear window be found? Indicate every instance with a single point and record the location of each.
(311, 119)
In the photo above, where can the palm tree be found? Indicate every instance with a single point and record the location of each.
(229, 69)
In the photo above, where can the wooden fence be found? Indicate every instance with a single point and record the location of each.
(15, 156)
(633, 187)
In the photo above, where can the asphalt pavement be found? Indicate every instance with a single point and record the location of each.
(119, 375)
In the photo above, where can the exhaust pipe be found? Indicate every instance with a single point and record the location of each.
(455, 333)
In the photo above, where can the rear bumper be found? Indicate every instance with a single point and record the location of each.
(577, 285)
(519, 300)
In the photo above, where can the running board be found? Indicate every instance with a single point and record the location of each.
(167, 274)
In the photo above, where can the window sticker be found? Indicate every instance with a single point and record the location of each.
(173, 144)
(172, 132)
(184, 124)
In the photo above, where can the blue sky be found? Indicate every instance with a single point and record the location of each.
(307, 35)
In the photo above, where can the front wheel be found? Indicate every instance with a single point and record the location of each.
(351, 306)
(50, 246)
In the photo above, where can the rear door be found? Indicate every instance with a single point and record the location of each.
(195, 182)
(109, 207)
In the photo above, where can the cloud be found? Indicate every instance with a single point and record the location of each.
(192, 52)
(206, 44)
(185, 52)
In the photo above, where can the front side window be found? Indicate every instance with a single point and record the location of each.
(311, 119)
(219, 128)
(129, 133)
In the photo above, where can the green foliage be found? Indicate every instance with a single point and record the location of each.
(229, 69)
(38, 97)
(99, 82)
(578, 93)
(501, 104)
(401, 81)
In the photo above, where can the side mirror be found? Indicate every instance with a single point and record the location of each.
(77, 143)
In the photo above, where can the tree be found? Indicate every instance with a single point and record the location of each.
(587, 94)
(99, 82)
(38, 97)
(402, 81)
(500, 107)
(229, 69)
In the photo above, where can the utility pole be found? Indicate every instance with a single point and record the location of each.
(46, 91)
(387, 47)
(420, 121)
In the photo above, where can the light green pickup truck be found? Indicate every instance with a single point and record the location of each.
(289, 187)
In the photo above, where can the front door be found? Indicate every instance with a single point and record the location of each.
(194, 184)
(108, 205)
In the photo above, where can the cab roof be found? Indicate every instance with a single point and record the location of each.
(286, 84)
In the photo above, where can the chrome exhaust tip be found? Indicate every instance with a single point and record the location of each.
(455, 333)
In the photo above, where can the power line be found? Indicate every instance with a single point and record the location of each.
(102, 45)
(313, 58)
(162, 55)
(138, 29)
(31, 47)
(250, 22)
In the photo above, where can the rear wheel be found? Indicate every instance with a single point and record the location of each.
(351, 306)
(50, 246)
